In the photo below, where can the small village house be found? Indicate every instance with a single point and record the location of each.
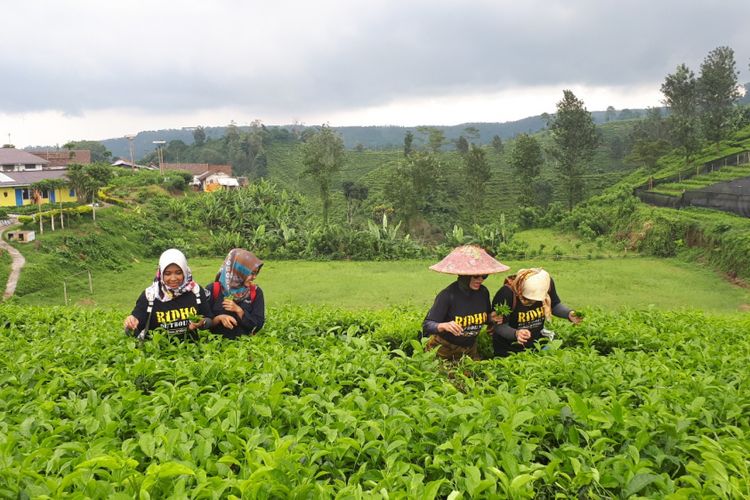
(19, 170)
(207, 177)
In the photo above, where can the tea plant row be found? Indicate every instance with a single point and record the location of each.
(333, 403)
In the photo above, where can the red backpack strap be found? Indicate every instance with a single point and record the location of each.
(252, 292)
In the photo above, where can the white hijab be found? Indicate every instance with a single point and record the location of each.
(158, 289)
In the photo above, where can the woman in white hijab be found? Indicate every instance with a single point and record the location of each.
(172, 302)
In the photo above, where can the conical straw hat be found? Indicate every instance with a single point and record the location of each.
(469, 260)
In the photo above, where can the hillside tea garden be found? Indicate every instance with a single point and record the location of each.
(330, 403)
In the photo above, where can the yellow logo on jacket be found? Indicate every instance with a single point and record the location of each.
(471, 319)
(524, 317)
(175, 314)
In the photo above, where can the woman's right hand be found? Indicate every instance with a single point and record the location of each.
(231, 306)
(131, 322)
(523, 335)
(226, 320)
(450, 327)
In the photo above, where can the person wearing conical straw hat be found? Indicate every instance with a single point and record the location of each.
(463, 307)
(528, 298)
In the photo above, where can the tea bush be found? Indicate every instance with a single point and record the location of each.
(326, 403)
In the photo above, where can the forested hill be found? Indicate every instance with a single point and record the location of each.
(370, 137)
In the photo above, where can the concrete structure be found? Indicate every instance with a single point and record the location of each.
(21, 236)
(213, 181)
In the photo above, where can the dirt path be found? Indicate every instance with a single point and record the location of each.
(16, 265)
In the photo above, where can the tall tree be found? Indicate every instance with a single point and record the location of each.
(199, 136)
(616, 148)
(323, 156)
(526, 159)
(462, 145)
(476, 173)
(610, 114)
(575, 139)
(236, 149)
(255, 141)
(408, 142)
(497, 144)
(435, 137)
(261, 165)
(681, 97)
(473, 134)
(648, 140)
(717, 93)
(354, 194)
(411, 184)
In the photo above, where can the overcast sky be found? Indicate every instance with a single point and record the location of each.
(75, 69)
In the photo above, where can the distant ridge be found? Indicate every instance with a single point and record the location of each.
(370, 137)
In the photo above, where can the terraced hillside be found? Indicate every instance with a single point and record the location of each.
(372, 168)
(702, 181)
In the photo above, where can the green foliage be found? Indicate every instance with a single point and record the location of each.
(335, 404)
(125, 182)
(665, 232)
(575, 138)
(99, 152)
(526, 159)
(681, 96)
(199, 136)
(476, 175)
(435, 137)
(323, 156)
(412, 186)
(88, 179)
(408, 142)
(537, 216)
(602, 215)
(728, 173)
(355, 194)
(718, 91)
(497, 144)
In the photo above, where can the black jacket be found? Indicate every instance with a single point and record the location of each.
(252, 320)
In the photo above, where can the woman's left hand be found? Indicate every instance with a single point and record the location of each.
(573, 318)
(226, 321)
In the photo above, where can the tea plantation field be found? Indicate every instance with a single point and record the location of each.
(341, 404)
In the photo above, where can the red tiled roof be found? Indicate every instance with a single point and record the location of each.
(65, 157)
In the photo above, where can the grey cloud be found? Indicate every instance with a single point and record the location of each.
(396, 50)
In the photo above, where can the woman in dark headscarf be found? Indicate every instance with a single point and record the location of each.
(463, 308)
(235, 300)
(171, 301)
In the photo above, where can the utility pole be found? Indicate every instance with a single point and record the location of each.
(132, 150)
(160, 154)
